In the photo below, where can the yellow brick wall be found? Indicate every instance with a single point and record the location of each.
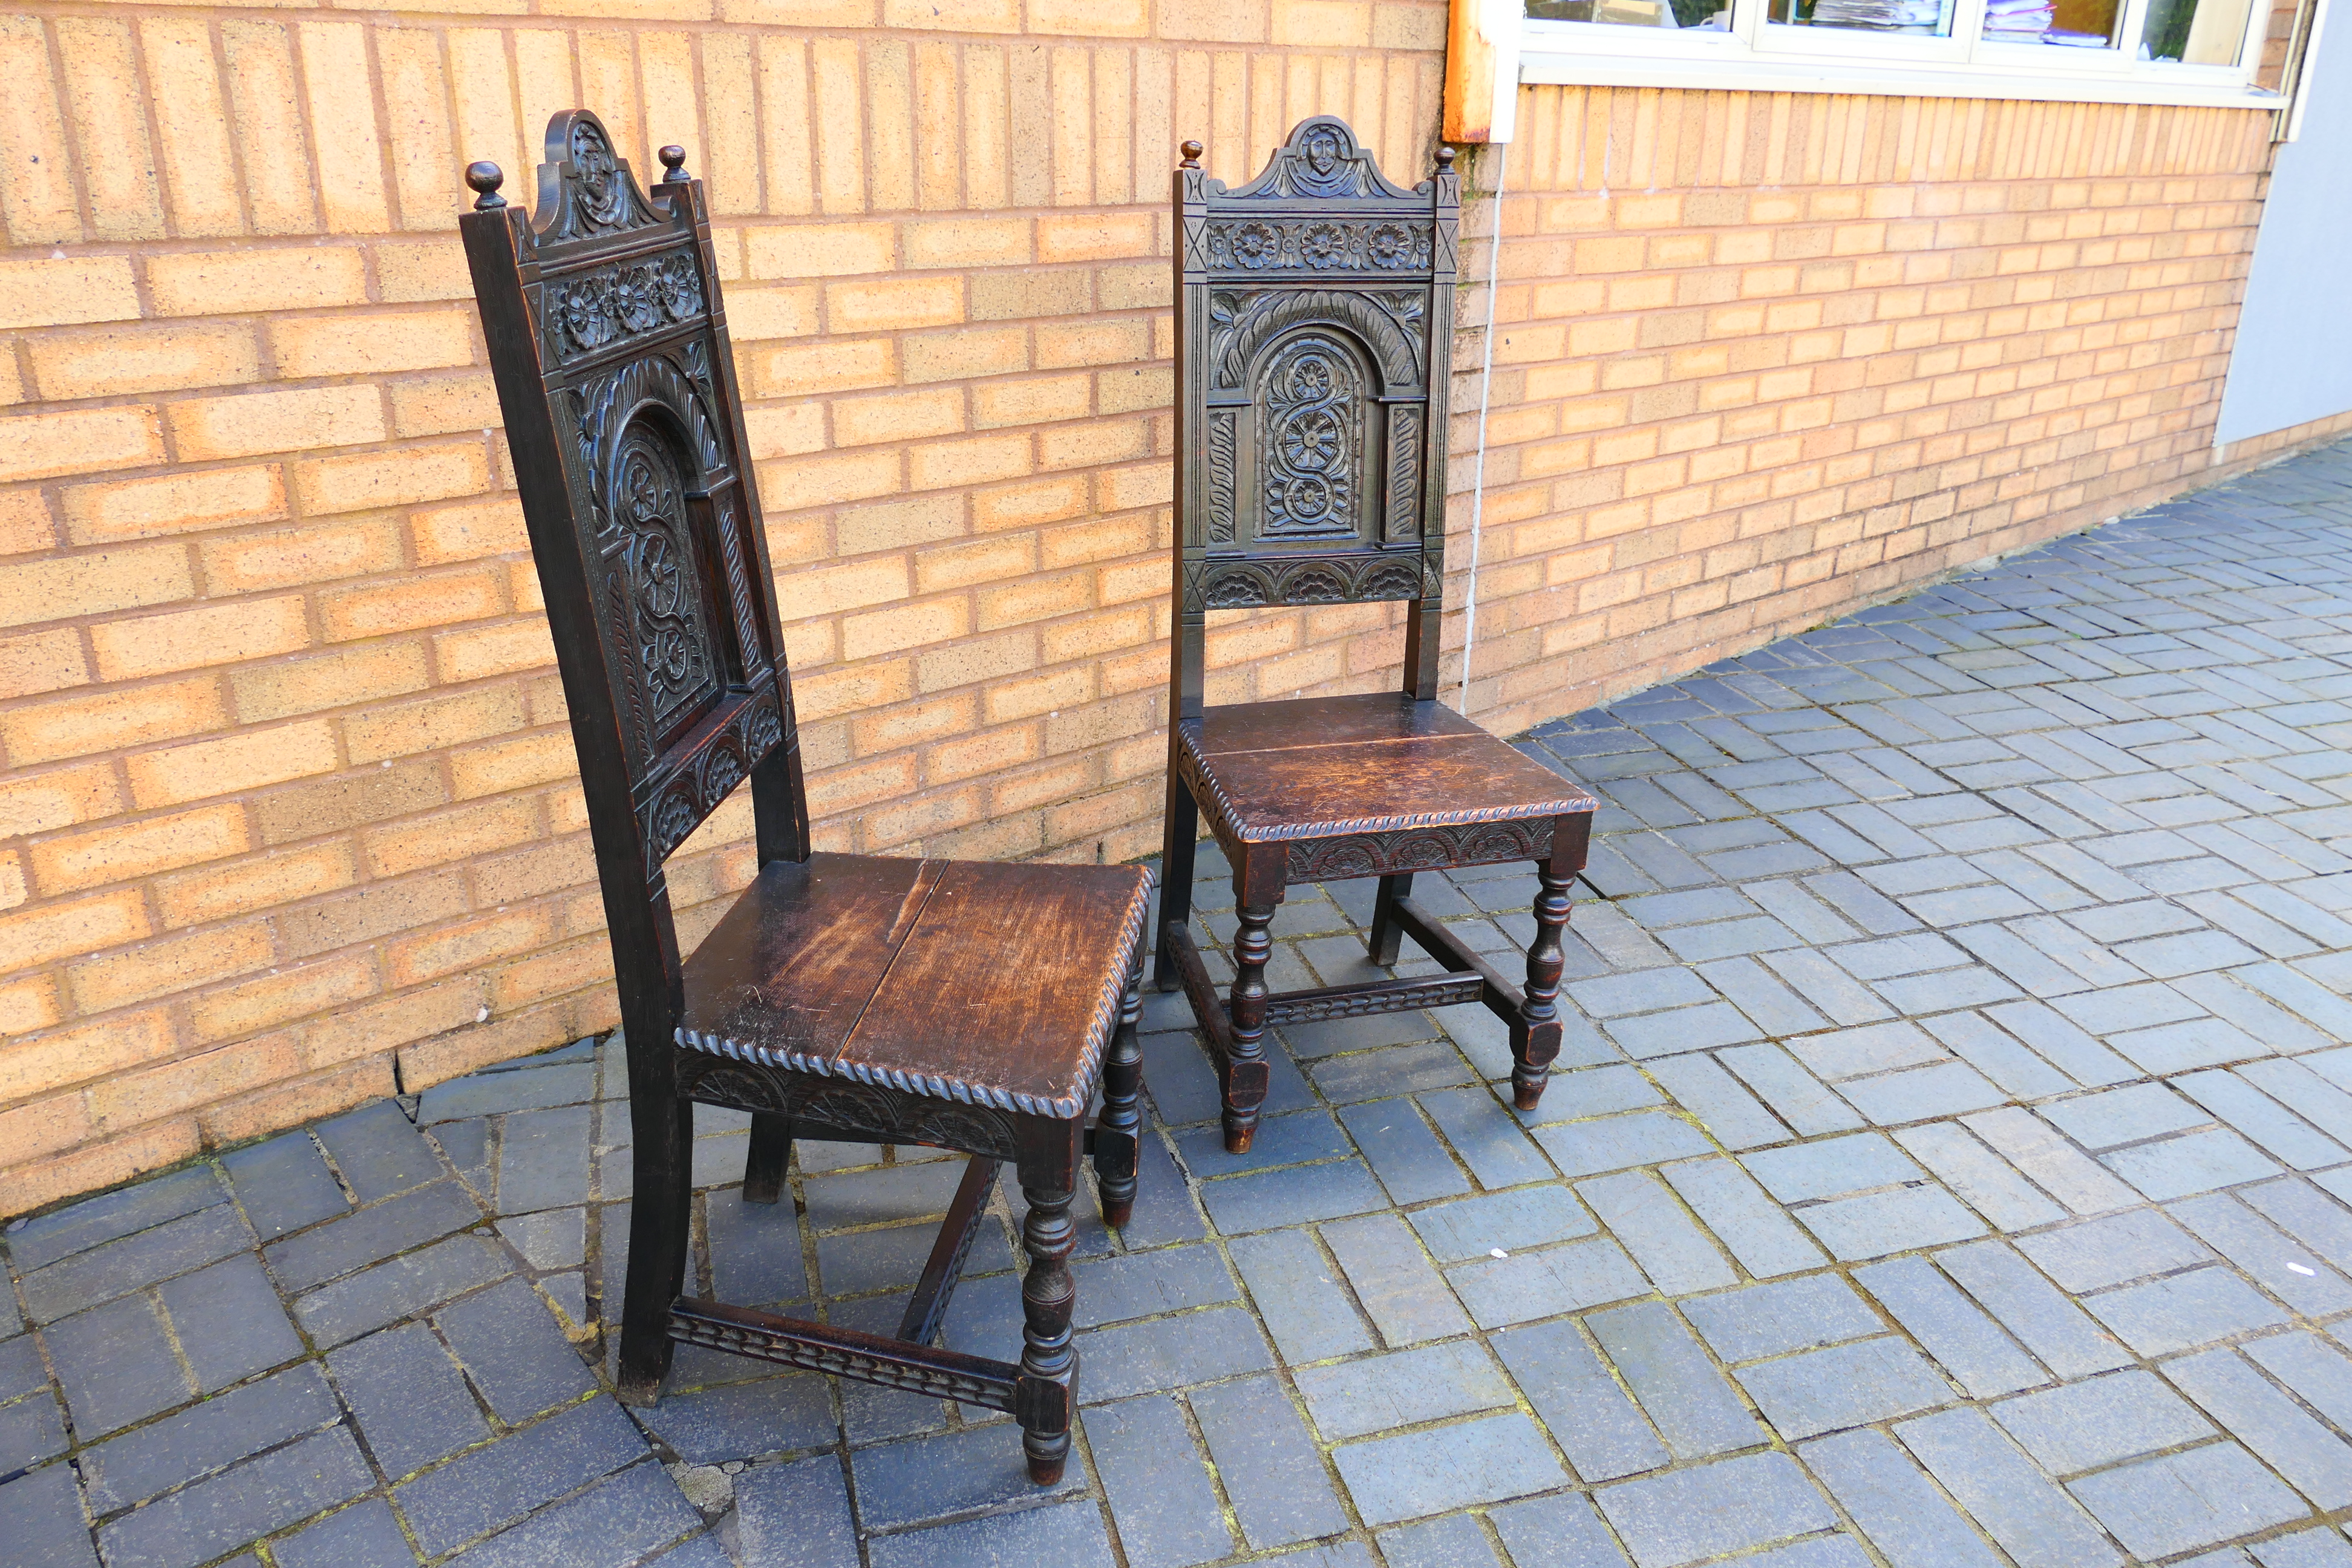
(286, 796)
(287, 802)
(1760, 359)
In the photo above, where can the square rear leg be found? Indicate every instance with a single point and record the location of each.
(772, 1148)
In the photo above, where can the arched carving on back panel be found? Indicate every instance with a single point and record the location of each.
(585, 187)
(1318, 471)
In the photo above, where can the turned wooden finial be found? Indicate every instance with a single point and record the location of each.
(1445, 156)
(1192, 154)
(674, 160)
(487, 177)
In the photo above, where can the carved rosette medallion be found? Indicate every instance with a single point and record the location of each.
(648, 548)
(1318, 245)
(1311, 449)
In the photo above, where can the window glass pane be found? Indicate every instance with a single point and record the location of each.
(2194, 32)
(1713, 14)
(1926, 18)
(2068, 24)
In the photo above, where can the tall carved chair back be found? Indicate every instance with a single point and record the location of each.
(1316, 308)
(975, 1006)
(1314, 338)
(613, 368)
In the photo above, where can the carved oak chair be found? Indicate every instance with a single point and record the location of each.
(966, 1006)
(1314, 333)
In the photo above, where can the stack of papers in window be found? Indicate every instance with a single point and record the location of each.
(1877, 12)
(2017, 21)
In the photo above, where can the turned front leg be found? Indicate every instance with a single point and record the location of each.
(1246, 1076)
(1119, 1129)
(1535, 1034)
(1049, 1362)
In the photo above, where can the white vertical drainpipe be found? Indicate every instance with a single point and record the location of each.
(1485, 390)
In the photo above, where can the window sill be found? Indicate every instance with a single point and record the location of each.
(1779, 73)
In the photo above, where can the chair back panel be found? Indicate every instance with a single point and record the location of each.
(608, 342)
(1314, 319)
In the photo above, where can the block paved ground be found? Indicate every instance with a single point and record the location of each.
(1948, 1167)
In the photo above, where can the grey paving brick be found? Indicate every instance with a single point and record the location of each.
(1357, 1398)
(1909, 1520)
(557, 1239)
(228, 1323)
(2063, 1043)
(1870, 1048)
(2193, 1308)
(543, 1159)
(1398, 1287)
(2180, 1501)
(884, 1192)
(2099, 1421)
(1488, 1136)
(1650, 1224)
(2313, 1459)
(42, 1240)
(391, 1290)
(2054, 1329)
(1158, 1490)
(2321, 1548)
(2192, 1162)
(1614, 1142)
(489, 1092)
(21, 1371)
(2317, 1221)
(1557, 1531)
(1406, 1070)
(1437, 1470)
(2037, 1524)
(2094, 1254)
(2272, 1259)
(492, 1486)
(1837, 994)
(115, 1366)
(1799, 1098)
(41, 1515)
(1730, 1115)
(378, 1151)
(2315, 1370)
(2059, 1169)
(1845, 1385)
(372, 1234)
(1280, 1141)
(1527, 1286)
(1686, 1515)
(2312, 1097)
(795, 1515)
(1298, 1296)
(1404, 1153)
(1704, 1027)
(1902, 1220)
(364, 1535)
(1987, 1184)
(1603, 1431)
(284, 1184)
(1070, 1533)
(752, 1419)
(1169, 1352)
(615, 1522)
(514, 1352)
(253, 1500)
(1165, 1279)
(1693, 1409)
(1273, 1476)
(1937, 1089)
(1265, 1200)
(2285, 1136)
(1452, 1541)
(1832, 1167)
(1473, 1227)
(112, 1269)
(410, 1398)
(2120, 1116)
(1773, 1320)
(1743, 1217)
(1964, 1340)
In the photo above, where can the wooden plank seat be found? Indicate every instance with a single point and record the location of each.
(857, 998)
(1314, 331)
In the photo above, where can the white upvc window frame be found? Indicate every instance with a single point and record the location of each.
(1759, 55)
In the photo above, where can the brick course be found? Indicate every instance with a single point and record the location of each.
(288, 790)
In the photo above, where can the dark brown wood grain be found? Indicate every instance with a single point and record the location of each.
(1314, 333)
(975, 1007)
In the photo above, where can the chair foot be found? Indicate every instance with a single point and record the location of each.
(1527, 1086)
(1240, 1129)
(1045, 1469)
(637, 1383)
(1116, 1213)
